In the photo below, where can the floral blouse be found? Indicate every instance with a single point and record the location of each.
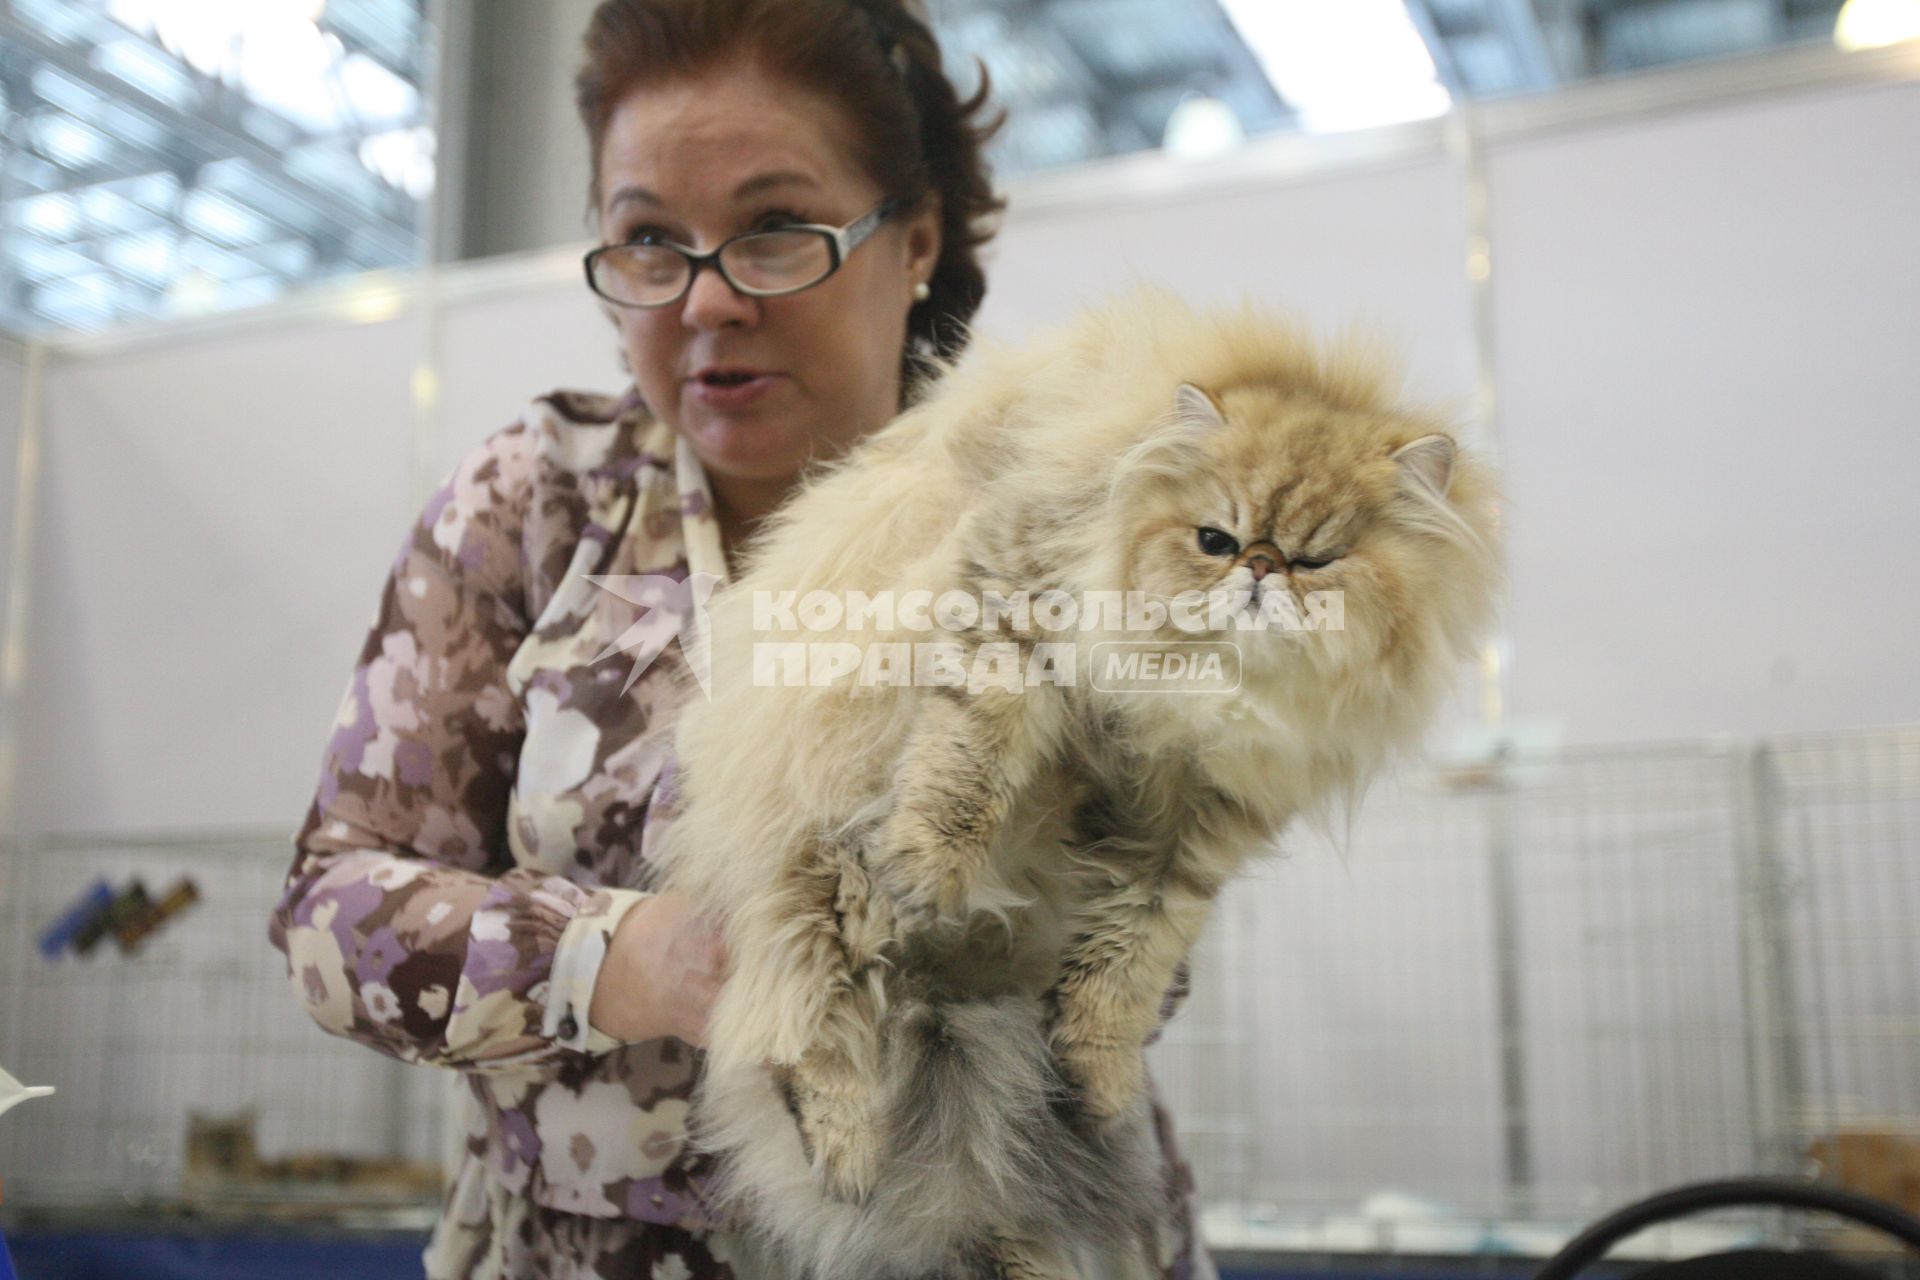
(482, 824)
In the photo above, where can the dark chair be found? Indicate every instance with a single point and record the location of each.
(1744, 1264)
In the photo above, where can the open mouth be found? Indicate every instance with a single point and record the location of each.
(731, 390)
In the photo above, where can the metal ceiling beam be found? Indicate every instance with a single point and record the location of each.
(1520, 24)
(1241, 61)
(1093, 88)
(1424, 21)
(223, 137)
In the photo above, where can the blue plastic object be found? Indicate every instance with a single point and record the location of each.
(55, 937)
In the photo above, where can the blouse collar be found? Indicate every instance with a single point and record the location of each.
(699, 523)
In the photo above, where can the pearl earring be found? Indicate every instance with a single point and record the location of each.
(921, 292)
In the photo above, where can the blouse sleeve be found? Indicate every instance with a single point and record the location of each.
(404, 922)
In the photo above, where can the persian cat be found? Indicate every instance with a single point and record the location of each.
(957, 869)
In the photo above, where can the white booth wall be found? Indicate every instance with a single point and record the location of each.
(1706, 344)
(215, 518)
(1702, 324)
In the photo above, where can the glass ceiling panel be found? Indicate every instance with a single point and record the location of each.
(1082, 79)
(168, 157)
(171, 157)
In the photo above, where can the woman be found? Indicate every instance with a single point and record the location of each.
(470, 887)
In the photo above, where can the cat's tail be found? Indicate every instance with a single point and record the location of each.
(975, 1101)
(982, 1140)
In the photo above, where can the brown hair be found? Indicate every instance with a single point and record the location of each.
(876, 60)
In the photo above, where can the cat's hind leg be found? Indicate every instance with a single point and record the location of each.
(836, 1083)
(1127, 943)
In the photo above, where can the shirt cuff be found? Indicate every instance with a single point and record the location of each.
(577, 958)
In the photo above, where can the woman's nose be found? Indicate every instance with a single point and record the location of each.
(711, 302)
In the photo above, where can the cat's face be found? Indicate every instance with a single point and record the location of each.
(1316, 531)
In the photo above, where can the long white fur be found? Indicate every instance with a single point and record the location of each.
(767, 771)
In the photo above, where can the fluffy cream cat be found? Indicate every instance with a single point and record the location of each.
(959, 851)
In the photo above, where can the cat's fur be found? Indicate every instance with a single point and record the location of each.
(952, 915)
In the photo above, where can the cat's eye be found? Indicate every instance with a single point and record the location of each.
(1217, 543)
(1303, 562)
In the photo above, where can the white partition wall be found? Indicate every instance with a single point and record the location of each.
(1702, 321)
(1377, 244)
(539, 309)
(216, 515)
(1710, 400)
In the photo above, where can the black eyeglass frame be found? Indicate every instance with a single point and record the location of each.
(841, 240)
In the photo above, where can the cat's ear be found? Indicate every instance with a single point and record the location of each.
(1429, 460)
(1195, 406)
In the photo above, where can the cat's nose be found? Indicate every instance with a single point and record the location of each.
(1262, 565)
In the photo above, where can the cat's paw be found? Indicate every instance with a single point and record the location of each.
(845, 1156)
(829, 1104)
(914, 916)
(916, 912)
(924, 891)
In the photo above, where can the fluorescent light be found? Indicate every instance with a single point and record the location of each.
(221, 220)
(287, 66)
(272, 51)
(146, 256)
(54, 215)
(403, 158)
(380, 98)
(66, 141)
(374, 304)
(146, 69)
(1873, 24)
(1202, 126)
(1342, 64)
(193, 291)
(76, 302)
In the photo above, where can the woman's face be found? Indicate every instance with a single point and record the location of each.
(710, 156)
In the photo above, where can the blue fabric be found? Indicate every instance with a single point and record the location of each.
(154, 1256)
(75, 1255)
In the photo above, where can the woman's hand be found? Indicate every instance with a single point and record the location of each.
(664, 966)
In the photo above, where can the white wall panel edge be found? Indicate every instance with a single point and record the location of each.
(1271, 159)
(20, 381)
(1264, 161)
(365, 297)
(1777, 73)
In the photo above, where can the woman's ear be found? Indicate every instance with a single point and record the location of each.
(923, 239)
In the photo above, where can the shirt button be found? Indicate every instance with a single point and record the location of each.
(658, 1200)
(569, 1028)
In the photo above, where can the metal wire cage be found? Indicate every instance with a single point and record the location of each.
(189, 1075)
(1529, 992)
(1523, 994)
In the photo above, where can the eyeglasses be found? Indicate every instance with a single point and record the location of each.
(764, 264)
